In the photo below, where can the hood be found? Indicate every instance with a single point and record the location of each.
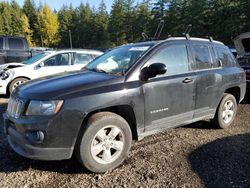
(10, 66)
(242, 44)
(63, 86)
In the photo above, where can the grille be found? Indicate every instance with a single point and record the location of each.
(15, 107)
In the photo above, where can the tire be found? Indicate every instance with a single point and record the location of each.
(97, 149)
(15, 83)
(226, 112)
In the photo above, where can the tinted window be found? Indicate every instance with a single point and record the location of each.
(1, 43)
(246, 44)
(82, 59)
(225, 56)
(15, 44)
(174, 57)
(202, 57)
(58, 60)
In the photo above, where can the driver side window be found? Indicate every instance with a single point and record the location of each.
(175, 58)
(58, 60)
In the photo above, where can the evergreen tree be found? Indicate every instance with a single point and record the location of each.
(65, 17)
(116, 23)
(101, 27)
(143, 20)
(5, 10)
(30, 10)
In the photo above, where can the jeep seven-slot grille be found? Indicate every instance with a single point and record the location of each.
(15, 107)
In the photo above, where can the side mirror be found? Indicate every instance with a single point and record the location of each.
(41, 64)
(152, 71)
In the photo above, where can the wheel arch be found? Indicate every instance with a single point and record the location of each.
(8, 86)
(125, 111)
(235, 91)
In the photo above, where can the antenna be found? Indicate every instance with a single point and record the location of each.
(159, 29)
(187, 31)
(144, 36)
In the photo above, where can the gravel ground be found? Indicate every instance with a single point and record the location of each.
(192, 156)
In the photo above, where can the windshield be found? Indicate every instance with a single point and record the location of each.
(35, 58)
(119, 60)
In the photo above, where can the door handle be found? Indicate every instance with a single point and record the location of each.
(187, 80)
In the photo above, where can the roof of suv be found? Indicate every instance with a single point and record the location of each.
(154, 42)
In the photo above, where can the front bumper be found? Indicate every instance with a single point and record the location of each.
(3, 86)
(21, 143)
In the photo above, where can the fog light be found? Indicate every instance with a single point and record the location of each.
(40, 136)
(36, 136)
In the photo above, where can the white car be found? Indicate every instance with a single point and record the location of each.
(44, 64)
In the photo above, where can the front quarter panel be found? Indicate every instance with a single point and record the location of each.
(109, 96)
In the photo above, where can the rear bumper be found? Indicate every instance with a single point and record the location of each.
(23, 146)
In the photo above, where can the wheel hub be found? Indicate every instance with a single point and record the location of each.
(107, 144)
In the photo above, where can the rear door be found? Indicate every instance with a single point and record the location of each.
(208, 78)
(169, 98)
(56, 64)
(17, 50)
(2, 51)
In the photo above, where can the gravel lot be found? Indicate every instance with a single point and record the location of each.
(196, 155)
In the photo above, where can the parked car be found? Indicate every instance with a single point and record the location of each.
(234, 51)
(242, 44)
(128, 93)
(43, 64)
(16, 49)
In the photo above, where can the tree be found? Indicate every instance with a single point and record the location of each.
(143, 20)
(5, 10)
(48, 25)
(30, 10)
(129, 24)
(65, 17)
(101, 27)
(116, 23)
(26, 29)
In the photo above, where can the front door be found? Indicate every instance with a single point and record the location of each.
(56, 64)
(169, 98)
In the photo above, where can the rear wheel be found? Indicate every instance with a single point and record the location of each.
(105, 142)
(15, 83)
(226, 112)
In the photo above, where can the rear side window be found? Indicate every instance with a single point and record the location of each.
(15, 44)
(82, 59)
(225, 56)
(174, 57)
(202, 56)
(1, 43)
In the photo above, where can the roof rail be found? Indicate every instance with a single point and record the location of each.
(210, 39)
(157, 32)
(187, 31)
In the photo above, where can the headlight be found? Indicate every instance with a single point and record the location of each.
(4, 75)
(44, 107)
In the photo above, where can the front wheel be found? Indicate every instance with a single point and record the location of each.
(15, 83)
(105, 142)
(226, 112)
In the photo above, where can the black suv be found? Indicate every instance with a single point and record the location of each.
(15, 49)
(128, 93)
